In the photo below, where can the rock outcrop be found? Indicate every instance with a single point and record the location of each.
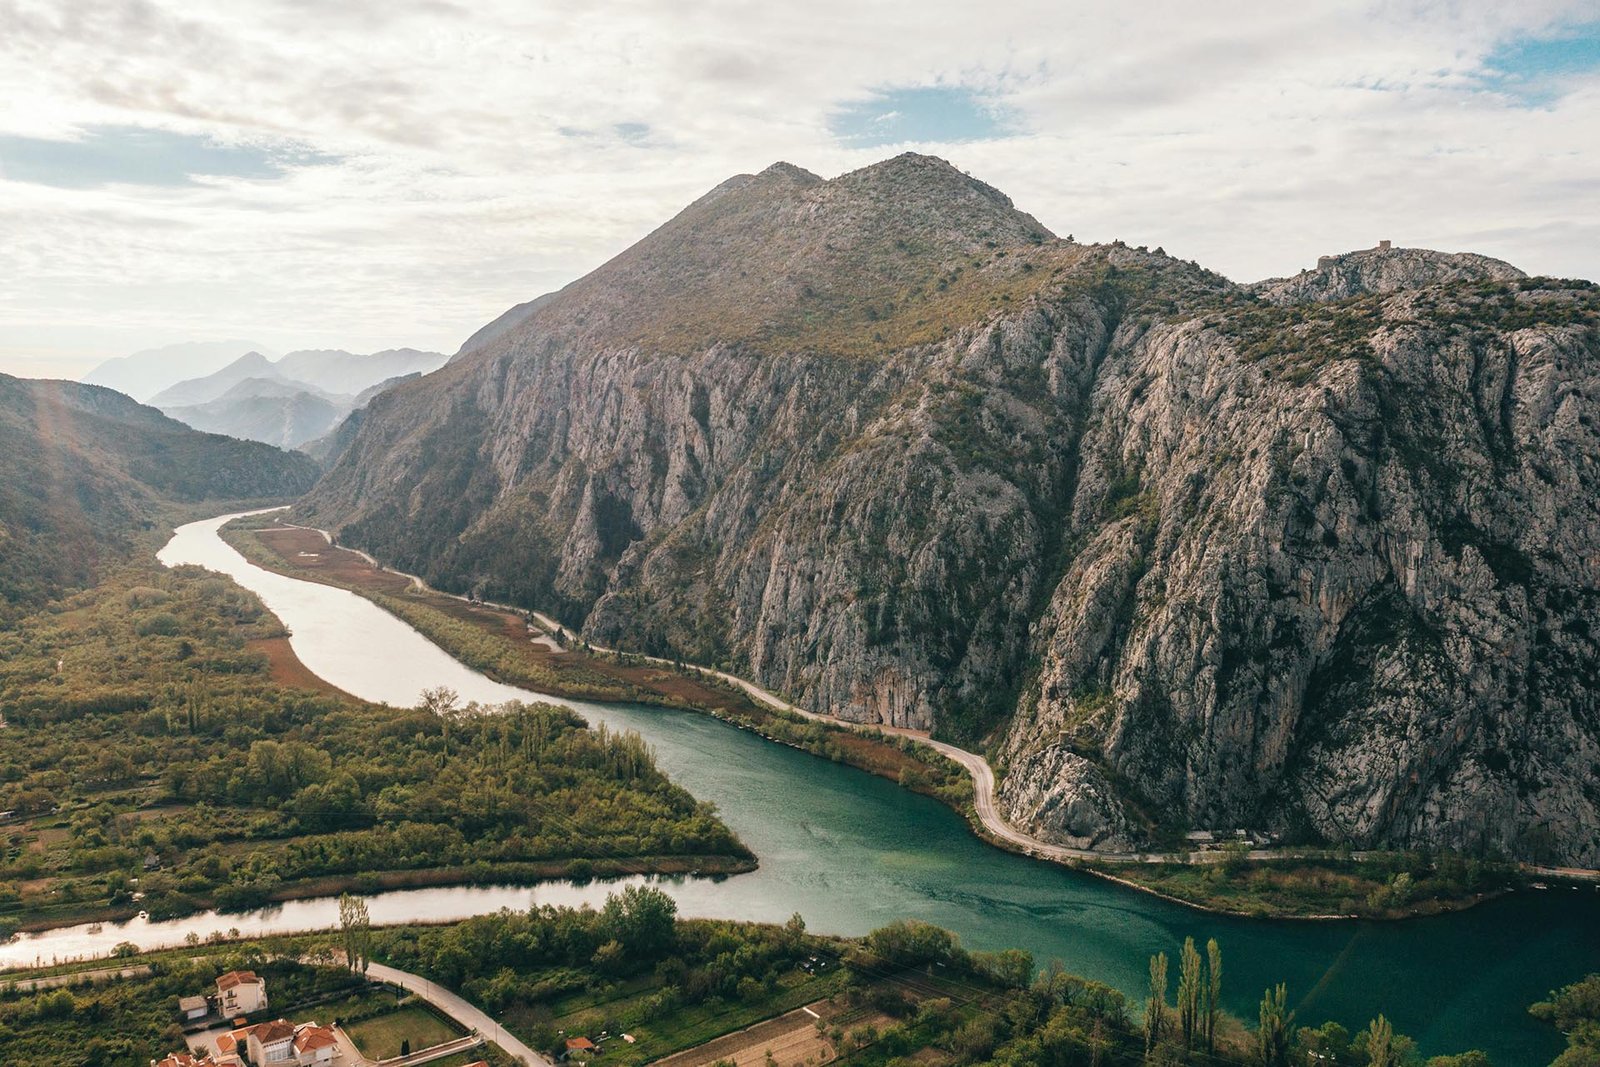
(1383, 270)
(1181, 553)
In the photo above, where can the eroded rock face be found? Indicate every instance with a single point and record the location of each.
(1350, 609)
(1383, 270)
(1177, 555)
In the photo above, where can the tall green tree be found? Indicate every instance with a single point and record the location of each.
(1272, 1039)
(1155, 1009)
(1189, 991)
(1380, 1043)
(1213, 992)
(356, 926)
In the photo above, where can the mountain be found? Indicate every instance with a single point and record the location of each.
(83, 469)
(294, 400)
(214, 385)
(327, 449)
(144, 374)
(272, 410)
(338, 372)
(503, 323)
(1316, 557)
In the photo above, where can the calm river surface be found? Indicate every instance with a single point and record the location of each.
(850, 852)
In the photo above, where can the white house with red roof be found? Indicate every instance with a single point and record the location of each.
(281, 1042)
(241, 993)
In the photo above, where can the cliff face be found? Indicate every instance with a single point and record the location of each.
(1179, 555)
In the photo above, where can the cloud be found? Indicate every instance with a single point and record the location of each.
(461, 158)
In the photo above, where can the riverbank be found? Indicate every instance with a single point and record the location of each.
(483, 874)
(530, 649)
(497, 640)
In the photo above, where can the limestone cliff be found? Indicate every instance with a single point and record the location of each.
(1316, 557)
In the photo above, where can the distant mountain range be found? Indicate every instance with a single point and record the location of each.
(1318, 556)
(291, 401)
(144, 374)
(83, 468)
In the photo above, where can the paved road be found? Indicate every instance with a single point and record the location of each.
(460, 1010)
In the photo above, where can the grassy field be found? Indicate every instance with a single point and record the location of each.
(684, 1028)
(382, 1037)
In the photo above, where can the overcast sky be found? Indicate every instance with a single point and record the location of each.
(378, 173)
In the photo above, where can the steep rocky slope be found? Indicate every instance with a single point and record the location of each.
(83, 469)
(1180, 553)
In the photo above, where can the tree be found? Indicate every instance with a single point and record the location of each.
(445, 703)
(1272, 1039)
(356, 925)
(1213, 992)
(1380, 1043)
(642, 920)
(1189, 993)
(1155, 1008)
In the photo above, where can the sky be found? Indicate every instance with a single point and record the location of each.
(383, 173)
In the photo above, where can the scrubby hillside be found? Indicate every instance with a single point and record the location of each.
(83, 469)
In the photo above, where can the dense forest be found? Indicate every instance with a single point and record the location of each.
(147, 739)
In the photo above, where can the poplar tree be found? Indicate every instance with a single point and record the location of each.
(356, 926)
(1155, 1009)
(1272, 1039)
(1380, 1043)
(1189, 993)
(1213, 992)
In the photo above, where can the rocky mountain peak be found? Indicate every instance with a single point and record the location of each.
(788, 172)
(1383, 269)
(770, 257)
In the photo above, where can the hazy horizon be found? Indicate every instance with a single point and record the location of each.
(408, 171)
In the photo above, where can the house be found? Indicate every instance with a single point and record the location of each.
(314, 1044)
(579, 1045)
(267, 1043)
(185, 1059)
(193, 1007)
(241, 993)
(281, 1042)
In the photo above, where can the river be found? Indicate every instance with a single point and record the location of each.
(850, 851)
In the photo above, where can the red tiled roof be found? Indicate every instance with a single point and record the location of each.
(185, 1059)
(228, 1042)
(579, 1044)
(276, 1030)
(233, 978)
(310, 1037)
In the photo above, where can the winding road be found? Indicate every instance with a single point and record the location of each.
(462, 1011)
